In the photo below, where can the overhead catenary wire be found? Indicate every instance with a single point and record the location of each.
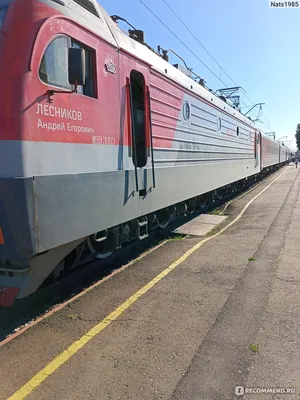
(181, 41)
(191, 51)
(213, 58)
(203, 47)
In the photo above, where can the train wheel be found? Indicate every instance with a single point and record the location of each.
(202, 205)
(202, 201)
(96, 250)
(182, 208)
(191, 206)
(162, 219)
(104, 255)
(219, 195)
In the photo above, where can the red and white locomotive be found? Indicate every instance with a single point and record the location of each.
(101, 139)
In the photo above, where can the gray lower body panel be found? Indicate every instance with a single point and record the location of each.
(42, 213)
(46, 217)
(17, 218)
(74, 206)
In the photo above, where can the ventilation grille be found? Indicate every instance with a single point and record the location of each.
(87, 5)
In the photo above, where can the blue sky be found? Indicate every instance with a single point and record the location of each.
(257, 46)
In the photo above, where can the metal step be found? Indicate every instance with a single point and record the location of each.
(142, 228)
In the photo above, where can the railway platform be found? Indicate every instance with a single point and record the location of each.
(199, 318)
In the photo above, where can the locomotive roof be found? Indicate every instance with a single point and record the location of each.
(158, 64)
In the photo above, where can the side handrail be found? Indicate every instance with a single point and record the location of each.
(133, 138)
(151, 139)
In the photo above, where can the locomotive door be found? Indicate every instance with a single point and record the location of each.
(141, 131)
(257, 149)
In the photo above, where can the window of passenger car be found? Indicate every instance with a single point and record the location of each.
(54, 66)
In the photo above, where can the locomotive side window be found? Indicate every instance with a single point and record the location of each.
(54, 66)
(89, 88)
(137, 83)
(2, 14)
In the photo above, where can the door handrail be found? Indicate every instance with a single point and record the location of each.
(133, 137)
(151, 139)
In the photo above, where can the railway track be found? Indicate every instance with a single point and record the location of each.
(51, 295)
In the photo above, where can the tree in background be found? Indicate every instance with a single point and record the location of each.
(298, 136)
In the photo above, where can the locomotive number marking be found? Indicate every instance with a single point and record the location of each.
(104, 140)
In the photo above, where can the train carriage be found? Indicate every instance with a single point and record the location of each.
(282, 153)
(100, 136)
(270, 152)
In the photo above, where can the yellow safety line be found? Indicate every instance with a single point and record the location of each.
(62, 358)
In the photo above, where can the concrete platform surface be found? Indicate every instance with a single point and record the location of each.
(226, 315)
(201, 225)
